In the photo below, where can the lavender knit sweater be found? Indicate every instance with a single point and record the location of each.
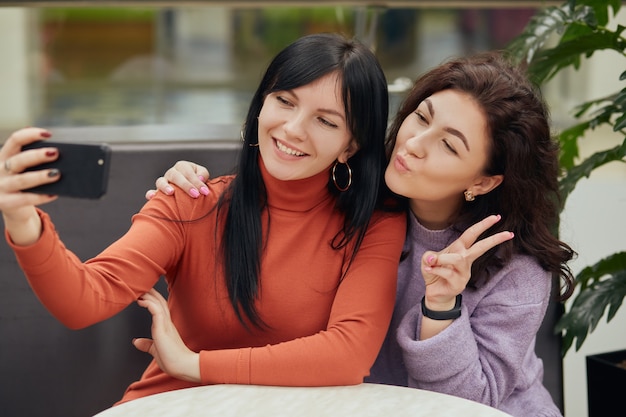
(486, 355)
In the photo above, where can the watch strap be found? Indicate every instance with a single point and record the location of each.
(455, 313)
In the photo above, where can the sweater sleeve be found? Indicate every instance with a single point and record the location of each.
(344, 351)
(488, 352)
(80, 294)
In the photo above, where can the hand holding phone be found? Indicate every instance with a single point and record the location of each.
(84, 169)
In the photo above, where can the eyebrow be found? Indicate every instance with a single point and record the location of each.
(321, 110)
(331, 111)
(450, 130)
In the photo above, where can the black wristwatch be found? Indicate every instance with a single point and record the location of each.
(455, 313)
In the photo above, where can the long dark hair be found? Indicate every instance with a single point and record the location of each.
(522, 150)
(364, 93)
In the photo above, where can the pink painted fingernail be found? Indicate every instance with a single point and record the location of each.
(204, 190)
(430, 259)
(194, 193)
(169, 190)
(201, 178)
(45, 134)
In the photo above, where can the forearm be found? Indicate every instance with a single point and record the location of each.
(446, 362)
(341, 354)
(318, 360)
(479, 357)
(432, 328)
(79, 294)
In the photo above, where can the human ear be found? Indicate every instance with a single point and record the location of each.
(348, 152)
(485, 184)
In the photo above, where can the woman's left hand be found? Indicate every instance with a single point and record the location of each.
(166, 346)
(186, 175)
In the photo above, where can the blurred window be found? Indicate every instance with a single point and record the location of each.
(127, 66)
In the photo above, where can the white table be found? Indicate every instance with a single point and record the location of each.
(371, 400)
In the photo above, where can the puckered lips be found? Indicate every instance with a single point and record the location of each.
(400, 164)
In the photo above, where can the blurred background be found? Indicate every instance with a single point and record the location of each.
(124, 66)
(183, 72)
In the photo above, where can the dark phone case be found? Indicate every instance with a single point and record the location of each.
(84, 169)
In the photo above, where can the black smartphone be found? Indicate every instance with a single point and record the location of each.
(84, 169)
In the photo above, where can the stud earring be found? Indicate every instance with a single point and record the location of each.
(469, 196)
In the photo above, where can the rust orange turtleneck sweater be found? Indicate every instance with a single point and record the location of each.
(320, 331)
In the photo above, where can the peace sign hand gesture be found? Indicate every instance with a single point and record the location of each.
(447, 273)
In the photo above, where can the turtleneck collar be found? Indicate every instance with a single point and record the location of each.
(296, 195)
(434, 240)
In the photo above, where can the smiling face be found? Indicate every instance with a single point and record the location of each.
(441, 150)
(304, 130)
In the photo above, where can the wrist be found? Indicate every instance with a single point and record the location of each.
(24, 228)
(447, 314)
(192, 369)
(439, 303)
(187, 368)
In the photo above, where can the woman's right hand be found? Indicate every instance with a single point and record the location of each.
(446, 273)
(186, 175)
(18, 207)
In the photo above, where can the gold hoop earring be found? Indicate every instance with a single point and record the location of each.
(342, 189)
(469, 196)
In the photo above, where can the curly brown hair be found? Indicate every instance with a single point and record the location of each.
(522, 149)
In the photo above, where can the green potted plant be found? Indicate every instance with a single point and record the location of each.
(574, 31)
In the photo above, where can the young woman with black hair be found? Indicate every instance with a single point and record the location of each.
(285, 274)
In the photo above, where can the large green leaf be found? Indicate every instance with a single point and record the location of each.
(614, 102)
(620, 123)
(606, 110)
(601, 8)
(543, 26)
(580, 24)
(605, 286)
(568, 139)
(606, 266)
(576, 173)
(549, 62)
